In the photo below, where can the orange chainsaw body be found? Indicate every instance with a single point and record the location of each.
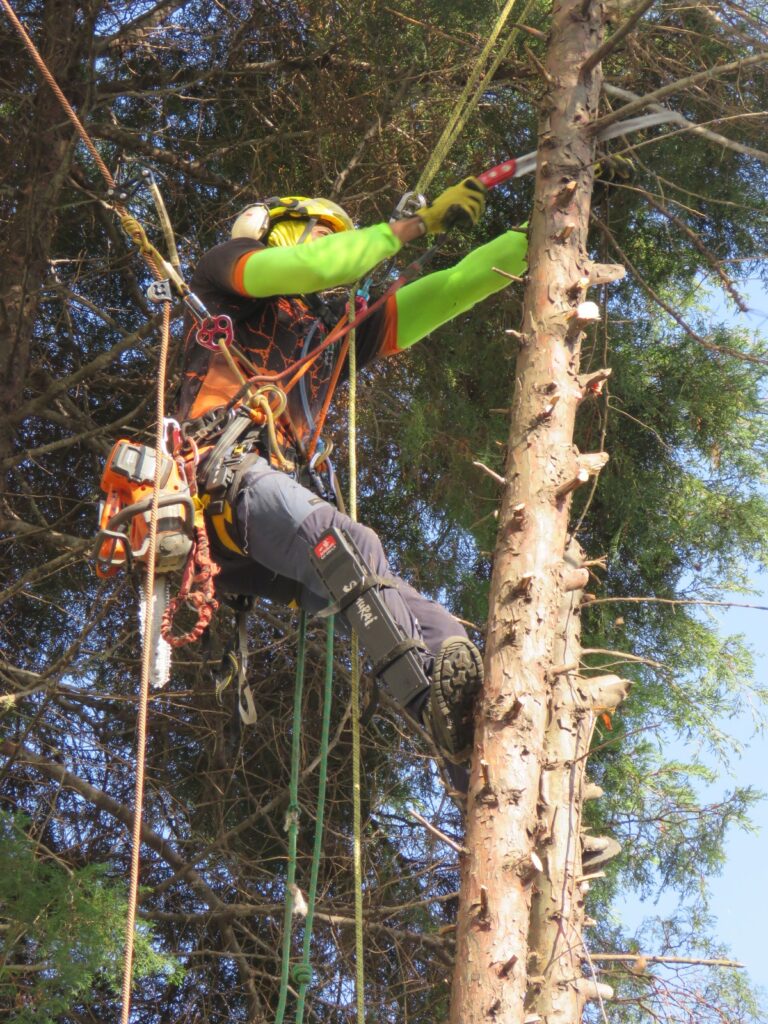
(125, 513)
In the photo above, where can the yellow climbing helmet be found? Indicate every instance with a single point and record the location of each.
(257, 221)
(324, 211)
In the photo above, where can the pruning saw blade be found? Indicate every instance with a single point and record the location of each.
(517, 168)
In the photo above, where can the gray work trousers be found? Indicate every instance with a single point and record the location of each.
(279, 521)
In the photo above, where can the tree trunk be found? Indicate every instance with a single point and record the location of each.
(557, 985)
(44, 149)
(506, 819)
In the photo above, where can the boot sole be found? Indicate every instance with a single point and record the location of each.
(456, 681)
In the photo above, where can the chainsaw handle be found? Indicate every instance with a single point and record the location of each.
(139, 507)
(111, 531)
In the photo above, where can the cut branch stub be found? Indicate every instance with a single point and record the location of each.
(563, 670)
(566, 194)
(597, 850)
(590, 464)
(549, 408)
(592, 383)
(565, 489)
(604, 692)
(592, 791)
(585, 313)
(593, 462)
(605, 273)
(517, 516)
(523, 586)
(590, 989)
(575, 579)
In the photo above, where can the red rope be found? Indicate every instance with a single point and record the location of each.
(196, 592)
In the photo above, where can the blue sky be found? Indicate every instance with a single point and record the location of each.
(740, 893)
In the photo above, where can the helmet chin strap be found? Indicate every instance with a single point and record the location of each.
(307, 230)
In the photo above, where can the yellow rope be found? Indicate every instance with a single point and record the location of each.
(357, 825)
(468, 99)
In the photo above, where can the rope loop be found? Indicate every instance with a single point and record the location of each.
(136, 233)
(302, 974)
(199, 573)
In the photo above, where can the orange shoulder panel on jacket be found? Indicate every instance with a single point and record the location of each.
(389, 332)
(238, 273)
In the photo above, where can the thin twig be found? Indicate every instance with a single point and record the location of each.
(633, 957)
(613, 41)
(697, 129)
(491, 472)
(709, 345)
(677, 600)
(437, 833)
(677, 86)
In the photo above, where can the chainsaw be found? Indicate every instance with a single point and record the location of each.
(123, 538)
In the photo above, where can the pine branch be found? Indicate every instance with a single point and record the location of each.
(100, 362)
(137, 29)
(706, 133)
(124, 814)
(725, 350)
(677, 86)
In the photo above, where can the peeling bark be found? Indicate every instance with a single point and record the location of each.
(511, 816)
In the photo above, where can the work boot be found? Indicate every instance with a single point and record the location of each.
(457, 676)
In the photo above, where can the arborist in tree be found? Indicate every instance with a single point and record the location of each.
(269, 510)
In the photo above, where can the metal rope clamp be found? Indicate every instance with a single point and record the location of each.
(160, 291)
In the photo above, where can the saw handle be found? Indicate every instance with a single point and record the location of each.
(498, 174)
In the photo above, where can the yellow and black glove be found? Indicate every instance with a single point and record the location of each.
(460, 205)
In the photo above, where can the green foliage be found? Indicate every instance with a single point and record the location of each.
(63, 931)
(232, 102)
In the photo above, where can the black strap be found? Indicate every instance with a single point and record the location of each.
(397, 652)
(234, 433)
(366, 583)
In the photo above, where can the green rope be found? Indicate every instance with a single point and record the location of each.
(357, 827)
(292, 817)
(303, 971)
(301, 974)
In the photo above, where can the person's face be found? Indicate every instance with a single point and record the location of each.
(319, 231)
